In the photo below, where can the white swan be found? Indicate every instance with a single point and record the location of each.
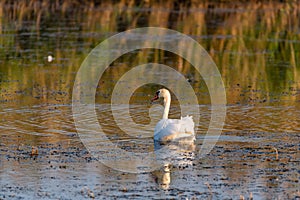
(172, 129)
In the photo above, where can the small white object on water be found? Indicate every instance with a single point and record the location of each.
(91, 194)
(50, 58)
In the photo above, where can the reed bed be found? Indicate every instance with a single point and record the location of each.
(255, 44)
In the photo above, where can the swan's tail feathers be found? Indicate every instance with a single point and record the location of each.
(188, 116)
(187, 125)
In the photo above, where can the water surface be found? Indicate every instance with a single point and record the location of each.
(256, 48)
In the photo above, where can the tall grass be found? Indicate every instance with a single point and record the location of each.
(255, 44)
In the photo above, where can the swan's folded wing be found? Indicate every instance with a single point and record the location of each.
(165, 128)
(167, 125)
(170, 129)
(187, 125)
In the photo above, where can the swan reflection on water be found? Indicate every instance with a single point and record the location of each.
(172, 155)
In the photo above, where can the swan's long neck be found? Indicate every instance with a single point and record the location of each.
(167, 102)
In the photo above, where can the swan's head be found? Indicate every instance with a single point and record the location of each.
(162, 93)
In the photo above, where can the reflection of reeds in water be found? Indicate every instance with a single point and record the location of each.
(254, 44)
(265, 34)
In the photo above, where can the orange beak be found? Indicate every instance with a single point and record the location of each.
(154, 98)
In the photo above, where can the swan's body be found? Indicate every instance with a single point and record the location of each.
(172, 129)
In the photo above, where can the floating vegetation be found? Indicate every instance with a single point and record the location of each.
(34, 151)
(276, 151)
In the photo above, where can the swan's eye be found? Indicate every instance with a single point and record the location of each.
(157, 93)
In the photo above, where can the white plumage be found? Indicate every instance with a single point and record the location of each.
(172, 129)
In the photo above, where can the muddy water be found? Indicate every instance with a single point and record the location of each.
(242, 162)
(43, 157)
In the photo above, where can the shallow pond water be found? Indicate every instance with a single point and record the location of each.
(242, 162)
(254, 45)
